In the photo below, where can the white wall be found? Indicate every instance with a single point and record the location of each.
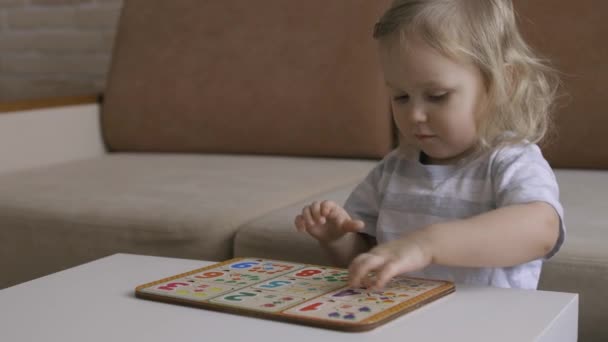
(47, 136)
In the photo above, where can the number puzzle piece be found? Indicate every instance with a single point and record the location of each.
(243, 273)
(325, 274)
(226, 276)
(272, 268)
(296, 286)
(190, 290)
(262, 267)
(384, 299)
(325, 308)
(412, 285)
(259, 300)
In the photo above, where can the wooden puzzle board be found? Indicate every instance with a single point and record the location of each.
(300, 293)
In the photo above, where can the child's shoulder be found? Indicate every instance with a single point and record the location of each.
(521, 154)
(519, 150)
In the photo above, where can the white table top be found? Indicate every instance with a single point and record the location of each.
(96, 302)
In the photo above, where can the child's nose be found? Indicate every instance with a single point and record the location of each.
(417, 114)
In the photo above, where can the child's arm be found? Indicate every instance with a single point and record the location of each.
(344, 250)
(502, 237)
(337, 233)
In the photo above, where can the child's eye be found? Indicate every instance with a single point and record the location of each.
(437, 97)
(401, 98)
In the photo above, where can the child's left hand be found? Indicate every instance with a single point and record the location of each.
(407, 254)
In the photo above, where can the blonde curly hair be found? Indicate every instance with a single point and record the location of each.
(521, 87)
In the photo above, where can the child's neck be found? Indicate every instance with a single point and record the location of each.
(425, 159)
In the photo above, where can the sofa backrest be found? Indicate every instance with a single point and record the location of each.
(301, 78)
(240, 76)
(574, 36)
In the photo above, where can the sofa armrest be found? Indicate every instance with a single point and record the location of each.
(43, 132)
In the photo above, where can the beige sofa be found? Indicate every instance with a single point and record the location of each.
(209, 142)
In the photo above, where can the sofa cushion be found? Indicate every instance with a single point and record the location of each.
(572, 35)
(274, 235)
(581, 266)
(170, 205)
(271, 77)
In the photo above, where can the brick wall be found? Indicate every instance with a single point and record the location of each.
(55, 47)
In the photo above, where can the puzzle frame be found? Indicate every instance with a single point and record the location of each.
(300, 293)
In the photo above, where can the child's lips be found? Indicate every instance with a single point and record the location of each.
(424, 136)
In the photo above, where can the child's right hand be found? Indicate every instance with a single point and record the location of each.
(326, 221)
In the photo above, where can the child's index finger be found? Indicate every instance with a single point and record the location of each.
(326, 207)
(363, 265)
(365, 281)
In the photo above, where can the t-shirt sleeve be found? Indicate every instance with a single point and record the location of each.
(364, 202)
(522, 175)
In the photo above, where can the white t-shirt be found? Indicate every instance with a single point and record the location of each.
(401, 194)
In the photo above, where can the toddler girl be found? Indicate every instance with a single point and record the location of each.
(467, 196)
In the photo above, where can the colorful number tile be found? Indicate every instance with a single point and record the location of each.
(323, 308)
(411, 285)
(227, 277)
(259, 300)
(325, 274)
(296, 286)
(191, 290)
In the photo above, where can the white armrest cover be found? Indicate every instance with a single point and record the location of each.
(34, 138)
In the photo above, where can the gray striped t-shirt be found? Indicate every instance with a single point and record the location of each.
(401, 194)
